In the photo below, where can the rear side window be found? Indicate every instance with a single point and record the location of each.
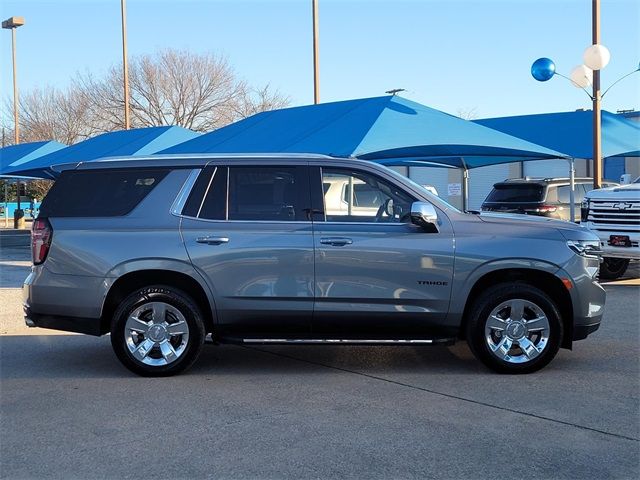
(214, 206)
(268, 193)
(564, 193)
(516, 193)
(250, 193)
(99, 193)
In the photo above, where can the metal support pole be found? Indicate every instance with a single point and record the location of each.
(6, 204)
(125, 65)
(316, 59)
(16, 123)
(572, 189)
(597, 127)
(465, 186)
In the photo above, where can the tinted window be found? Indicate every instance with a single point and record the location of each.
(353, 196)
(564, 193)
(99, 193)
(194, 202)
(364, 195)
(214, 206)
(268, 193)
(516, 193)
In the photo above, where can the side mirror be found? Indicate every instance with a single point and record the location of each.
(424, 215)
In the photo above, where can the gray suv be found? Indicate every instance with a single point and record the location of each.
(274, 249)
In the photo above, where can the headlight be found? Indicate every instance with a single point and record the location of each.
(584, 210)
(585, 248)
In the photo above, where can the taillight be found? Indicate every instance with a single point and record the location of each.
(543, 209)
(41, 235)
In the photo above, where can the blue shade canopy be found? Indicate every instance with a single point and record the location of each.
(16, 155)
(572, 132)
(389, 130)
(139, 141)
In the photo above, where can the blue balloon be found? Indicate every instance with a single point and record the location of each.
(543, 69)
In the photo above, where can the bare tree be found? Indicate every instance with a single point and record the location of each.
(255, 100)
(171, 87)
(50, 113)
(197, 91)
(468, 113)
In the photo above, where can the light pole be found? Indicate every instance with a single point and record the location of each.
(597, 121)
(595, 57)
(316, 59)
(125, 65)
(12, 24)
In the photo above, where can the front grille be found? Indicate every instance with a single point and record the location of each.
(615, 216)
(633, 244)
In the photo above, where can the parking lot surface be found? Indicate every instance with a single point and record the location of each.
(70, 410)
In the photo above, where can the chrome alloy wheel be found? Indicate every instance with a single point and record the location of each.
(517, 331)
(156, 333)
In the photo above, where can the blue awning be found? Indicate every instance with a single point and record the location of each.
(15, 155)
(572, 132)
(389, 129)
(135, 142)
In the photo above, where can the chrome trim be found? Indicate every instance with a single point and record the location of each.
(282, 222)
(181, 199)
(334, 340)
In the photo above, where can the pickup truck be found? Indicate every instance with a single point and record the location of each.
(613, 214)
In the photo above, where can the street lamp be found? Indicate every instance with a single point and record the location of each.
(125, 65)
(12, 24)
(316, 59)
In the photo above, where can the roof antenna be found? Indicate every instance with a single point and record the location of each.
(395, 90)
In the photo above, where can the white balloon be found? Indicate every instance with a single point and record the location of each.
(581, 76)
(596, 57)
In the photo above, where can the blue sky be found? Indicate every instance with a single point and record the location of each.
(452, 55)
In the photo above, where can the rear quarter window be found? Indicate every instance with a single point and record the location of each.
(99, 193)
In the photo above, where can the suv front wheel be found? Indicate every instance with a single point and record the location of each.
(157, 331)
(514, 328)
(612, 268)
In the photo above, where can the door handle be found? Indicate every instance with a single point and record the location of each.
(212, 240)
(336, 241)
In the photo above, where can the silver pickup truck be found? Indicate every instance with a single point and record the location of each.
(299, 249)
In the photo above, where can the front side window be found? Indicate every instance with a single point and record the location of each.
(354, 196)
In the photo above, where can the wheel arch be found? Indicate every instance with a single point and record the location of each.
(133, 280)
(545, 281)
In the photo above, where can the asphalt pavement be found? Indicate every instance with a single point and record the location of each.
(70, 410)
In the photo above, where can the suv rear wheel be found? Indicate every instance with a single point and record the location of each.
(157, 331)
(514, 328)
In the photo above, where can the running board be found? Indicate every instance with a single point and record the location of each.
(340, 341)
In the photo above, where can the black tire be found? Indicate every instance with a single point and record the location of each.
(612, 268)
(180, 308)
(493, 298)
